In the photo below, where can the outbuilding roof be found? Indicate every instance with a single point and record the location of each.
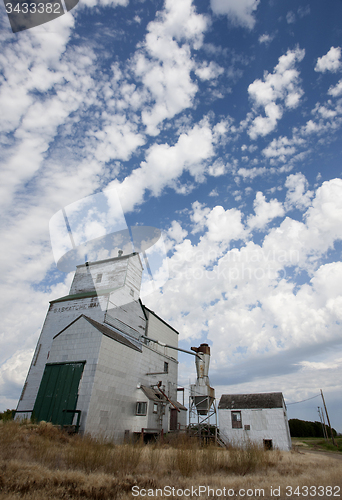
(251, 401)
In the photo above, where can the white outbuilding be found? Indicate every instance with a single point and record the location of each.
(259, 418)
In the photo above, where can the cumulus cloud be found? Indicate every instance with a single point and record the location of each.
(167, 164)
(281, 86)
(239, 12)
(107, 3)
(164, 62)
(282, 148)
(176, 232)
(291, 17)
(264, 212)
(263, 125)
(265, 38)
(12, 376)
(336, 90)
(329, 62)
(243, 296)
(297, 195)
(304, 11)
(209, 71)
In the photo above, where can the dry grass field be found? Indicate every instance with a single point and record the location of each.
(39, 462)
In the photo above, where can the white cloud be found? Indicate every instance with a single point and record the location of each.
(263, 125)
(217, 168)
(304, 11)
(264, 212)
(324, 111)
(281, 148)
(164, 64)
(114, 3)
(281, 85)
(265, 38)
(251, 173)
(35, 120)
(291, 17)
(336, 90)
(176, 232)
(209, 71)
(224, 225)
(164, 164)
(214, 192)
(12, 376)
(239, 12)
(329, 62)
(118, 138)
(297, 195)
(260, 323)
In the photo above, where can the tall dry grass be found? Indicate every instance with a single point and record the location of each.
(41, 462)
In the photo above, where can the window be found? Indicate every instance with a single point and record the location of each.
(166, 367)
(236, 420)
(141, 408)
(99, 278)
(155, 407)
(247, 427)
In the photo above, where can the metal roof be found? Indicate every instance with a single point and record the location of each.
(251, 401)
(105, 330)
(112, 334)
(179, 405)
(153, 393)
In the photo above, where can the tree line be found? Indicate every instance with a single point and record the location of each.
(303, 428)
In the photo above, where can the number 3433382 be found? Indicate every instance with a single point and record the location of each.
(34, 8)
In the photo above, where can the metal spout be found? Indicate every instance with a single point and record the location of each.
(202, 361)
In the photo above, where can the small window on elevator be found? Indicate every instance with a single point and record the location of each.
(236, 420)
(99, 278)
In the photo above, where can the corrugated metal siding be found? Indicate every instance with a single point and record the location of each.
(113, 276)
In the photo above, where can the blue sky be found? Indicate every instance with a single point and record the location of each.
(217, 122)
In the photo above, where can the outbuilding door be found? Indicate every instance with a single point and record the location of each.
(173, 419)
(58, 391)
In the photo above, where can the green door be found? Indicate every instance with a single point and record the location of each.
(58, 391)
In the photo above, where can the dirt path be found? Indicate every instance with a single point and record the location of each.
(328, 454)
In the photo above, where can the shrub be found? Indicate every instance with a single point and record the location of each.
(7, 415)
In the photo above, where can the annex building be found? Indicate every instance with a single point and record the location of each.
(259, 418)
